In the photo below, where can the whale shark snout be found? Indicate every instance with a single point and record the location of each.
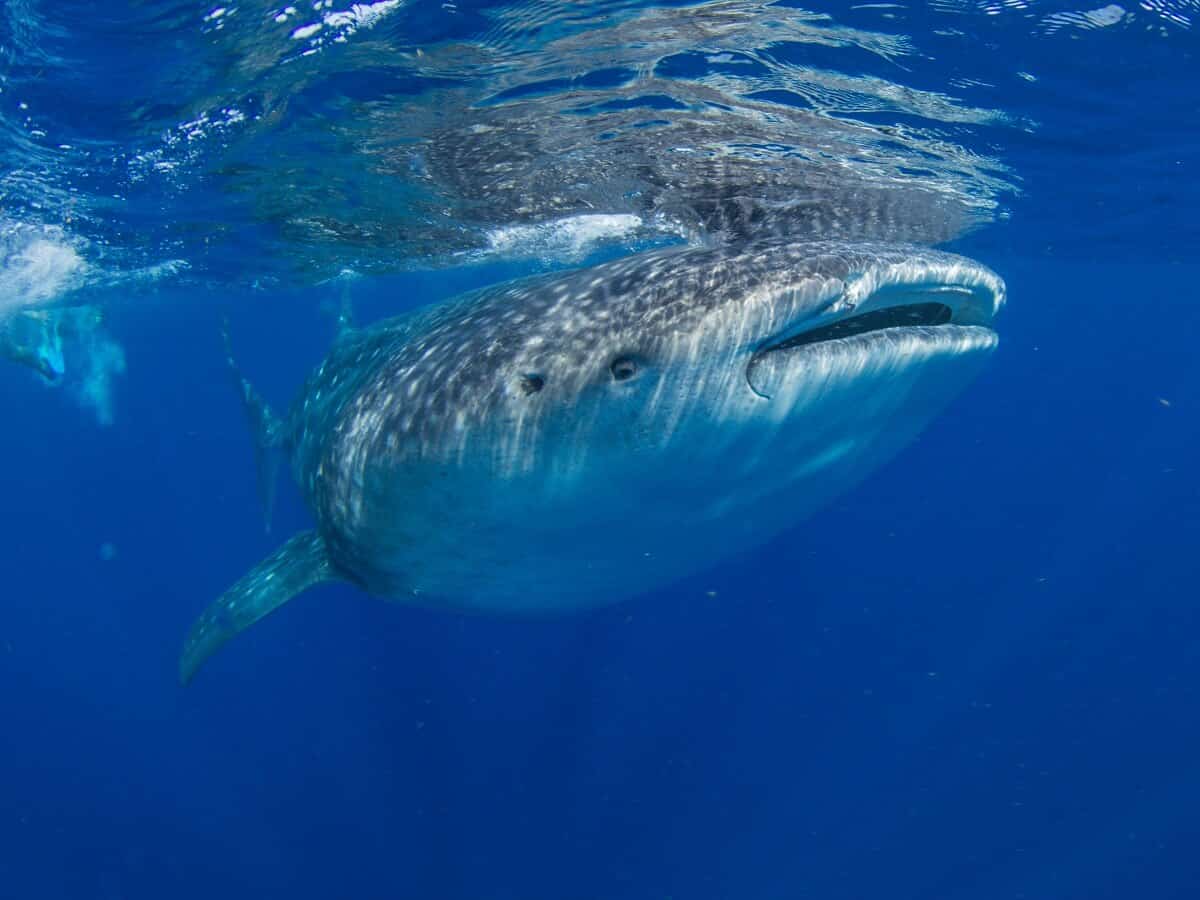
(899, 318)
(577, 439)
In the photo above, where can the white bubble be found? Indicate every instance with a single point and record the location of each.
(37, 265)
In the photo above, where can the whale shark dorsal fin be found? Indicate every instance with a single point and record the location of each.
(295, 567)
(345, 318)
(266, 430)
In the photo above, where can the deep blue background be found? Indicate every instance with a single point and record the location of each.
(973, 677)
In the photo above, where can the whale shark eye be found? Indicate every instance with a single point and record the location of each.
(623, 368)
(531, 383)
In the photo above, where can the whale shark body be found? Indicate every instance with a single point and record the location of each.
(572, 440)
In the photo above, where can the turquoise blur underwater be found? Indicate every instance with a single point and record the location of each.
(969, 676)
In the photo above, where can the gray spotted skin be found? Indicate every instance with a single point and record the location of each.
(427, 377)
(420, 418)
(572, 440)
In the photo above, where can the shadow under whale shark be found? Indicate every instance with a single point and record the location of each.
(572, 440)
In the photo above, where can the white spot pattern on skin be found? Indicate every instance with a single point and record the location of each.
(417, 421)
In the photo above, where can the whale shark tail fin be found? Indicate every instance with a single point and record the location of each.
(298, 565)
(266, 428)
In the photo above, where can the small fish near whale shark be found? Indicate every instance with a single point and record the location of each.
(572, 440)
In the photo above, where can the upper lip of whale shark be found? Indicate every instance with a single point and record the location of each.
(917, 297)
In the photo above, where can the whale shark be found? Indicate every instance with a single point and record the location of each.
(576, 439)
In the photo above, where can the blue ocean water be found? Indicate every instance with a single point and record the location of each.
(975, 675)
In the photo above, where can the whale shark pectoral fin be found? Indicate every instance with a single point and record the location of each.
(295, 567)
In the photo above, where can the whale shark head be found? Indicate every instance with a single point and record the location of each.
(568, 429)
(725, 337)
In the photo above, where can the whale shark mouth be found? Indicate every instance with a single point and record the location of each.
(918, 312)
(907, 316)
